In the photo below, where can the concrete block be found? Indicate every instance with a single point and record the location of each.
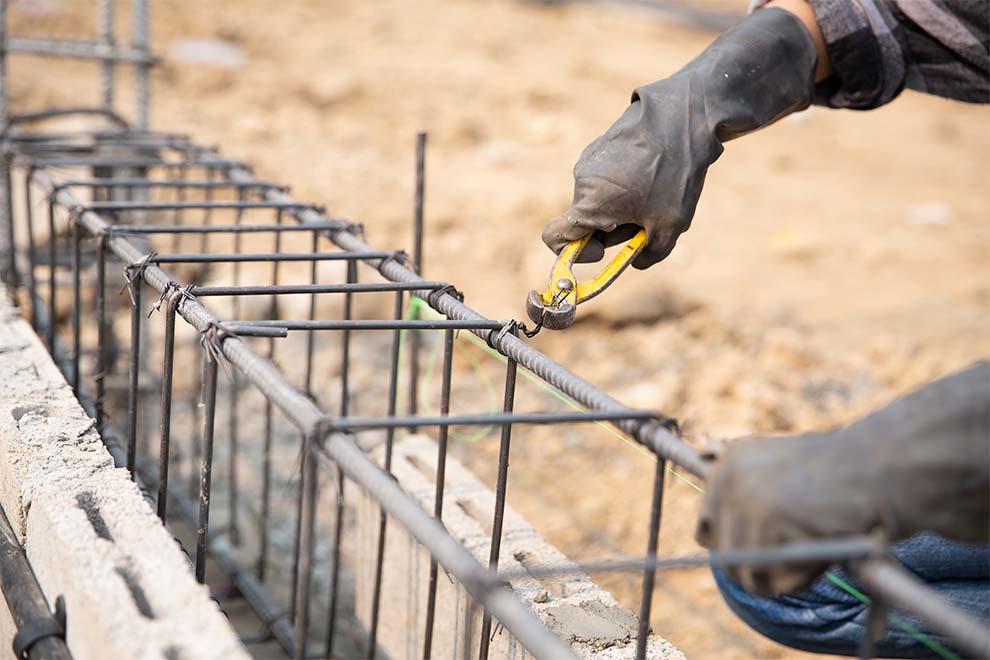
(572, 605)
(88, 533)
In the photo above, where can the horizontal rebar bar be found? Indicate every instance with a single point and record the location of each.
(78, 49)
(224, 229)
(191, 206)
(259, 331)
(129, 162)
(804, 552)
(165, 183)
(371, 324)
(42, 148)
(77, 144)
(53, 113)
(197, 258)
(284, 289)
(115, 136)
(351, 424)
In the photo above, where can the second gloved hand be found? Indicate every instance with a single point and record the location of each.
(919, 464)
(648, 169)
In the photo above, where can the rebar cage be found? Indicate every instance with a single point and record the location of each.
(121, 208)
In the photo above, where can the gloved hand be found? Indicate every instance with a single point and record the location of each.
(920, 464)
(648, 169)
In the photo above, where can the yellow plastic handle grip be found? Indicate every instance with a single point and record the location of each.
(577, 292)
(591, 288)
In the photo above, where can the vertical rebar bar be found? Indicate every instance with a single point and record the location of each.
(8, 202)
(142, 42)
(414, 337)
(419, 199)
(345, 360)
(649, 575)
(266, 459)
(179, 216)
(3, 65)
(108, 65)
(311, 335)
(393, 386)
(11, 265)
(470, 612)
(867, 644)
(76, 301)
(308, 388)
(101, 330)
(31, 246)
(204, 238)
(873, 630)
(134, 371)
(309, 488)
(233, 428)
(206, 470)
(166, 418)
(52, 286)
(441, 473)
(501, 484)
(196, 440)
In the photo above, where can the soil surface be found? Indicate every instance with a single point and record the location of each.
(837, 259)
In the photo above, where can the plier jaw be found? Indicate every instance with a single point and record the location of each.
(556, 308)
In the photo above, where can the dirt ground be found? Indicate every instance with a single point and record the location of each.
(837, 259)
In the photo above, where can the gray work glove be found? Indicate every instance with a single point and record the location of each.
(919, 464)
(647, 170)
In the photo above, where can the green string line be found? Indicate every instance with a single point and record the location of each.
(898, 621)
(417, 306)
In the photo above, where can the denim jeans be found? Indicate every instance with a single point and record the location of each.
(828, 619)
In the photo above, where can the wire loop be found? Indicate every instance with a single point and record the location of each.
(448, 289)
(133, 272)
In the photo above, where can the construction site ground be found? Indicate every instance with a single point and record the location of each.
(836, 260)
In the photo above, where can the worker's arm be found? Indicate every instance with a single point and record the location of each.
(920, 464)
(648, 169)
(806, 14)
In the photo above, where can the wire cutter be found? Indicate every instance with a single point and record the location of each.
(556, 307)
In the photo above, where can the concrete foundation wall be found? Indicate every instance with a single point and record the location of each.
(572, 605)
(89, 534)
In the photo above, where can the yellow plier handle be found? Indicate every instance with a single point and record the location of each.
(556, 307)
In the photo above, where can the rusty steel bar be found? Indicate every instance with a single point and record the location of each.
(418, 231)
(649, 575)
(501, 485)
(393, 391)
(440, 478)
